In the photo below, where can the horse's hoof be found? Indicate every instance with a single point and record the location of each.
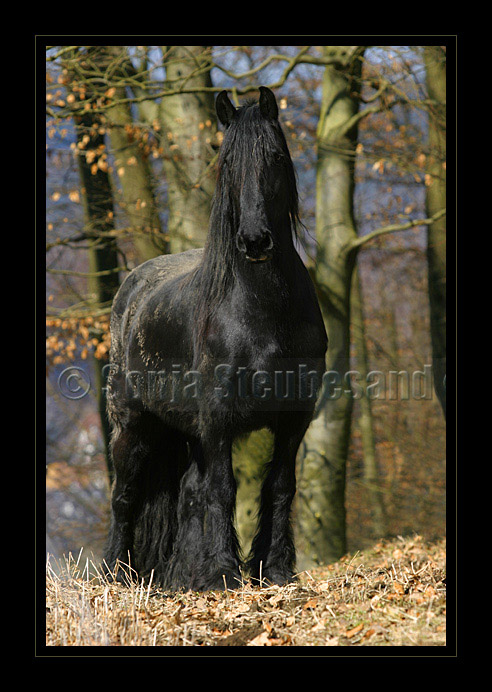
(222, 580)
(273, 578)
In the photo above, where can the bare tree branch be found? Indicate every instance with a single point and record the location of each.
(356, 244)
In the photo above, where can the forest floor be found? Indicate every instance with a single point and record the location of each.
(393, 594)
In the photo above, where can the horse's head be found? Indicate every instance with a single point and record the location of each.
(256, 173)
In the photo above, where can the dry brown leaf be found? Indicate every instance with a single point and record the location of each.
(260, 640)
(350, 633)
(274, 600)
(312, 603)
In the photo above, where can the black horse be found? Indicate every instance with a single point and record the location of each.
(208, 345)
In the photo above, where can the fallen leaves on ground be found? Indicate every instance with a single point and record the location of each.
(391, 595)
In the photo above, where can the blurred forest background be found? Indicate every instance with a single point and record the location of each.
(131, 146)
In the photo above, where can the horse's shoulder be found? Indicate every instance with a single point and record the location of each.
(166, 267)
(149, 275)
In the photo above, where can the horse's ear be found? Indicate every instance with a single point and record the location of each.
(268, 104)
(224, 109)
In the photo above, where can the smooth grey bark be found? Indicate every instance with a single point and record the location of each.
(372, 482)
(320, 515)
(135, 177)
(249, 458)
(188, 135)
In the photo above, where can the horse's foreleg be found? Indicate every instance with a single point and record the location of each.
(273, 552)
(221, 544)
(206, 548)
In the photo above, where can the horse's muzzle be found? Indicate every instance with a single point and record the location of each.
(256, 248)
(261, 258)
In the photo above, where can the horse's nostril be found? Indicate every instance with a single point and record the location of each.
(256, 246)
(240, 244)
(269, 245)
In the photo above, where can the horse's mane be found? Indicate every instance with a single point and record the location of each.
(249, 139)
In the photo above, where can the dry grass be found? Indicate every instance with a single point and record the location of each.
(391, 595)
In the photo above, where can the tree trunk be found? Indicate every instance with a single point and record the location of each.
(135, 177)
(189, 131)
(97, 197)
(435, 63)
(321, 490)
(249, 457)
(132, 165)
(371, 474)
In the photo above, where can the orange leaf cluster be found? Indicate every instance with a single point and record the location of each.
(77, 336)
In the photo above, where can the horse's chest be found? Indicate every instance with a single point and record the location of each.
(247, 346)
(257, 375)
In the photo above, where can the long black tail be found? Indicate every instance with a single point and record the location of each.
(156, 526)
